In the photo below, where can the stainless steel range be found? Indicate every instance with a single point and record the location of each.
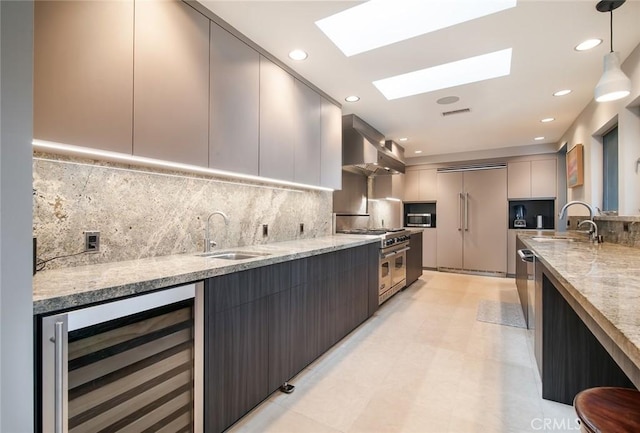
(392, 273)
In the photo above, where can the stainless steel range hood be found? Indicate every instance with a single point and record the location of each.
(365, 151)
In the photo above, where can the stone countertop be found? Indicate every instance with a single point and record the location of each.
(414, 229)
(603, 278)
(69, 288)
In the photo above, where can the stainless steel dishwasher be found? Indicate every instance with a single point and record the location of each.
(526, 285)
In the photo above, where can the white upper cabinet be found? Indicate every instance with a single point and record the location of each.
(307, 148)
(171, 82)
(519, 179)
(234, 104)
(158, 79)
(277, 96)
(421, 185)
(83, 73)
(532, 179)
(544, 175)
(330, 145)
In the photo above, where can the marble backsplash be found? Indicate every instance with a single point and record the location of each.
(143, 213)
(623, 230)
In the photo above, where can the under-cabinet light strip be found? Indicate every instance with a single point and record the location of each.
(106, 155)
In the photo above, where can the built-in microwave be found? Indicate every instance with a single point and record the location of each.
(420, 220)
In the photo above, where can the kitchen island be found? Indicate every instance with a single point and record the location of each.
(587, 321)
(250, 326)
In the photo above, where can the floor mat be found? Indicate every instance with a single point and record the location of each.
(502, 313)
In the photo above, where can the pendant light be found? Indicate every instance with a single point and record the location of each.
(613, 84)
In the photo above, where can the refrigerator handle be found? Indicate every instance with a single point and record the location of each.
(460, 198)
(466, 212)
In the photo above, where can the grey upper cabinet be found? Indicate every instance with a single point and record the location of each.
(532, 179)
(83, 73)
(171, 82)
(307, 151)
(277, 94)
(330, 145)
(544, 178)
(234, 104)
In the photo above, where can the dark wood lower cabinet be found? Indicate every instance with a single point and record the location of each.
(414, 258)
(570, 357)
(264, 325)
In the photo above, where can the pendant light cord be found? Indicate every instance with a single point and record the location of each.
(611, 27)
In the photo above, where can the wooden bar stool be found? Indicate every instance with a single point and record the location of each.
(608, 410)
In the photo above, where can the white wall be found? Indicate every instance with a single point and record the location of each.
(596, 119)
(16, 329)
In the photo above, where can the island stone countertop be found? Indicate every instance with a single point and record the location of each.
(69, 288)
(603, 278)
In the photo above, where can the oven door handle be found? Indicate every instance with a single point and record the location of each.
(392, 253)
(402, 250)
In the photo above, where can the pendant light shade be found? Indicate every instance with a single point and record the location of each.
(613, 84)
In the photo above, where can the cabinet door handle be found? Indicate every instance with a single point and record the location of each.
(466, 212)
(59, 378)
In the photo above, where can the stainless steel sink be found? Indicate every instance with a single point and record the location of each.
(233, 255)
(552, 239)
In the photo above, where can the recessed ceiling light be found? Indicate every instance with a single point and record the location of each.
(539, 138)
(471, 70)
(448, 100)
(403, 139)
(378, 23)
(352, 98)
(588, 44)
(298, 55)
(562, 92)
(418, 151)
(548, 119)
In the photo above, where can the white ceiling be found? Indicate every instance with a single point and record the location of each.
(505, 112)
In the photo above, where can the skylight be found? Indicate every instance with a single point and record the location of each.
(471, 70)
(378, 23)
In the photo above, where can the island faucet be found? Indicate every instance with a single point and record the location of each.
(208, 243)
(593, 234)
(562, 223)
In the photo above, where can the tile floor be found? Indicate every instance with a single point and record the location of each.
(422, 363)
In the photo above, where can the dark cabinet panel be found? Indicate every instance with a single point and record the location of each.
(373, 256)
(280, 362)
(263, 326)
(235, 375)
(572, 357)
(522, 279)
(414, 258)
(304, 329)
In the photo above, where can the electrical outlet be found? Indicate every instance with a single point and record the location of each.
(91, 242)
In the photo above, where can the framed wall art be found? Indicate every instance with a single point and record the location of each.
(575, 167)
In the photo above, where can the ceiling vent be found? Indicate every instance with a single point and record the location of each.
(460, 111)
